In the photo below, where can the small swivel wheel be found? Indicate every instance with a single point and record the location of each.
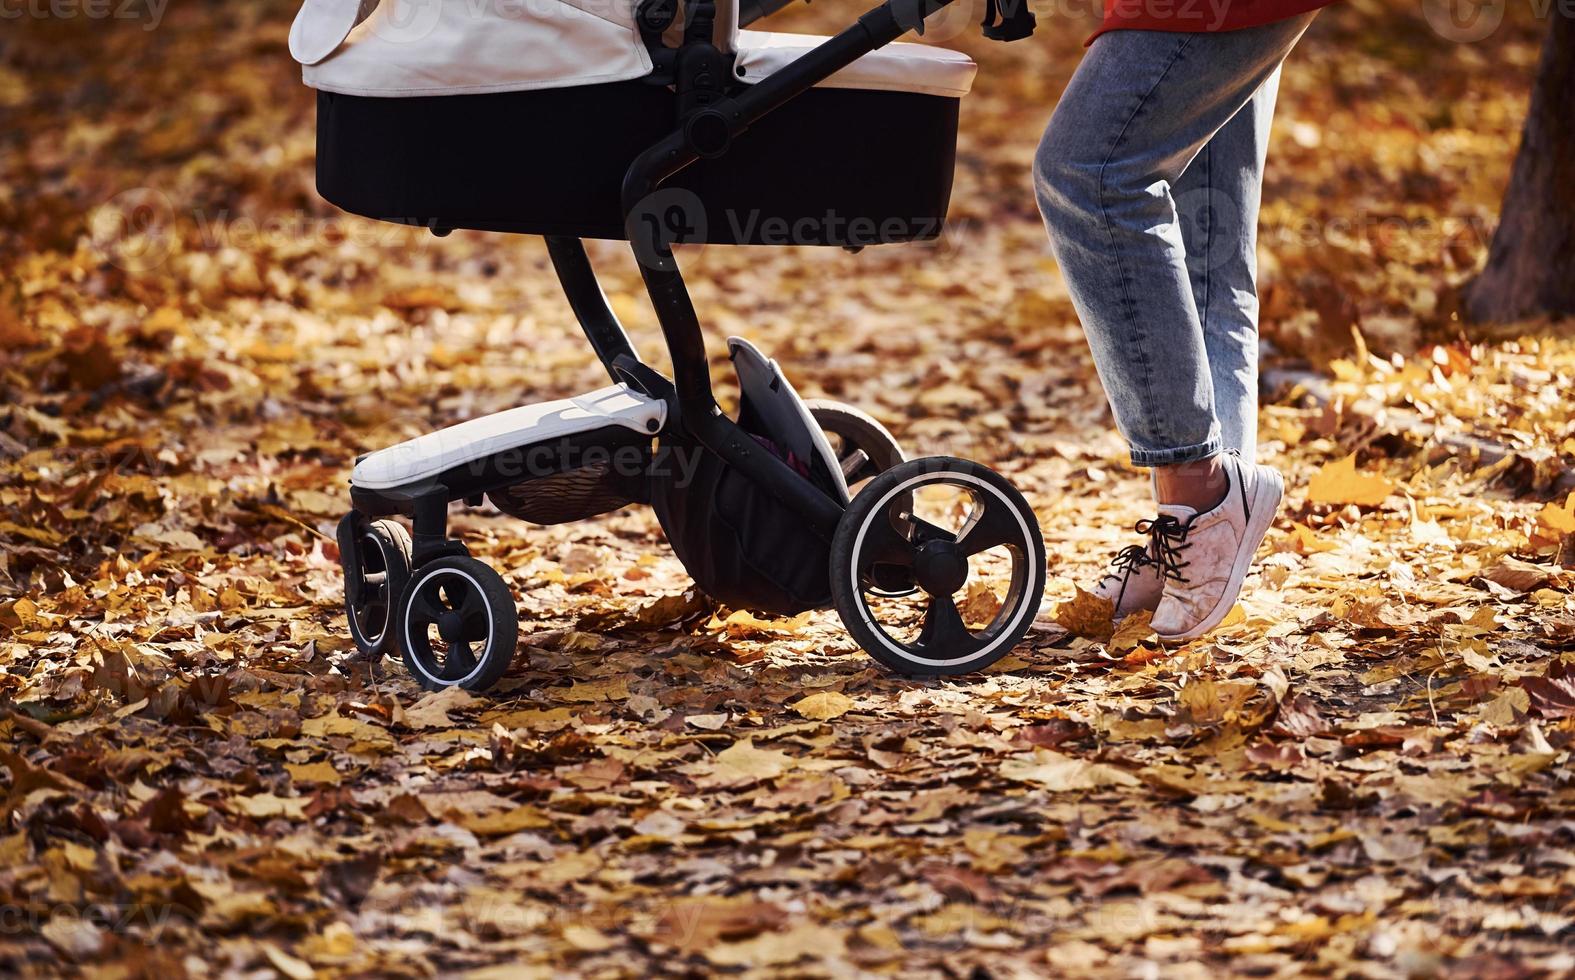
(970, 543)
(863, 446)
(375, 557)
(457, 624)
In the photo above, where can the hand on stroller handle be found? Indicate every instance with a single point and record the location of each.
(757, 508)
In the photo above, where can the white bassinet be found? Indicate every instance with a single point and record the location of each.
(524, 115)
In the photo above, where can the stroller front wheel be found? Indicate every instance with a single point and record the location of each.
(971, 544)
(375, 557)
(458, 624)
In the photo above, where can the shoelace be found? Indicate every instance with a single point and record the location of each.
(1167, 540)
(1127, 561)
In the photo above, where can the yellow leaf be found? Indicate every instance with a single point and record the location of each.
(824, 706)
(1339, 482)
(502, 824)
(1061, 773)
(1235, 617)
(587, 939)
(313, 773)
(264, 806)
(288, 965)
(1131, 633)
(606, 689)
(780, 948)
(741, 763)
(432, 710)
(1559, 520)
(1087, 615)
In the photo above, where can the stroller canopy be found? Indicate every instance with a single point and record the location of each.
(402, 48)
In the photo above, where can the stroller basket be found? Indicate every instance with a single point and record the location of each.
(540, 145)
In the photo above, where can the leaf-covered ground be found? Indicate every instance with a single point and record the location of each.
(1368, 774)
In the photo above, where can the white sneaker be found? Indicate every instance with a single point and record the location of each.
(1204, 558)
(1133, 582)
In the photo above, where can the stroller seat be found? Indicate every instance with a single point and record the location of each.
(443, 124)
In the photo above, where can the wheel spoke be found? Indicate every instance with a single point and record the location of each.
(375, 610)
(853, 465)
(474, 615)
(924, 531)
(884, 544)
(456, 592)
(944, 634)
(425, 606)
(992, 526)
(459, 662)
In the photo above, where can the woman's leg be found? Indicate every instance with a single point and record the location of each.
(1149, 179)
(1140, 109)
(1218, 198)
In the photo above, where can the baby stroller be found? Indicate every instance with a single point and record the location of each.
(610, 119)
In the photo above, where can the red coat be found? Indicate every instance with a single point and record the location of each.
(1199, 16)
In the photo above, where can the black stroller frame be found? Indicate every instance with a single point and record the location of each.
(876, 537)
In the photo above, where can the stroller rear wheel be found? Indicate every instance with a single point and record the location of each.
(863, 446)
(966, 538)
(376, 561)
(458, 624)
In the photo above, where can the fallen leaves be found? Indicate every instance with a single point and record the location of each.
(1553, 694)
(1339, 482)
(1087, 615)
(1060, 773)
(433, 710)
(742, 764)
(1367, 773)
(1519, 576)
(824, 705)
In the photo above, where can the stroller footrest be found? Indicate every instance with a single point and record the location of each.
(428, 456)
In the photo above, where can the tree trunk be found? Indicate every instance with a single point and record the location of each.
(1531, 266)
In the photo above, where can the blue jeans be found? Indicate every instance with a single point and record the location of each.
(1149, 178)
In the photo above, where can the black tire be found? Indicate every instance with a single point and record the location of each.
(856, 431)
(469, 604)
(380, 551)
(945, 647)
